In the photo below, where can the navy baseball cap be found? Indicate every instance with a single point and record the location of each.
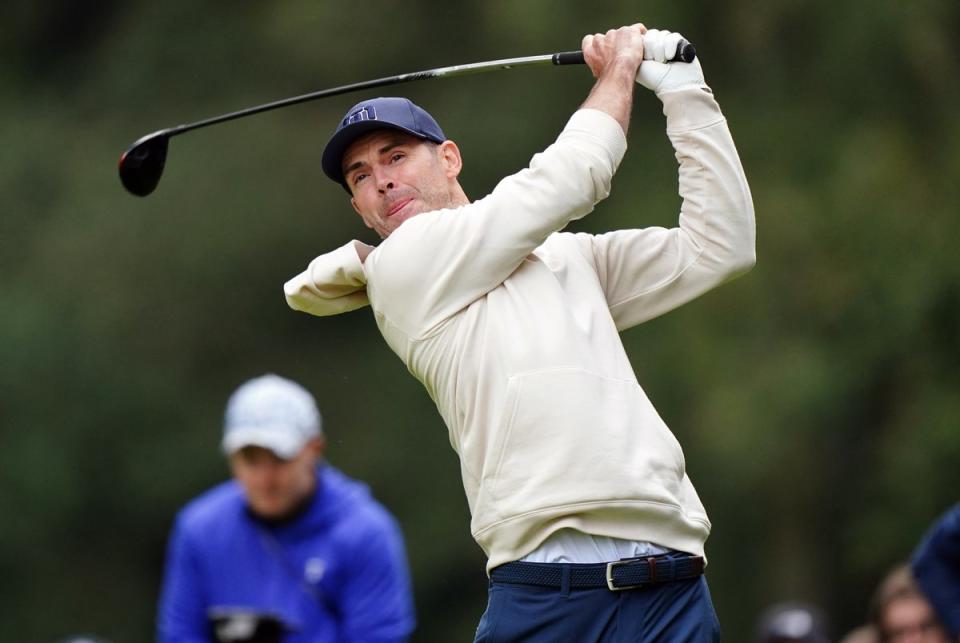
(377, 113)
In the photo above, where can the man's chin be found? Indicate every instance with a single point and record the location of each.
(406, 213)
(270, 510)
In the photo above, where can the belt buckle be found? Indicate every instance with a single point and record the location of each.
(610, 568)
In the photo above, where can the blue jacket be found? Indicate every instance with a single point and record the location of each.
(936, 566)
(337, 572)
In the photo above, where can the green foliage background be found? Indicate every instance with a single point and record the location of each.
(816, 398)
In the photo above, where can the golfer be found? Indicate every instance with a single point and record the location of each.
(578, 490)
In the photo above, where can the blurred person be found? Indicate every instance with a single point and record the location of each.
(862, 634)
(936, 566)
(901, 613)
(290, 549)
(577, 488)
(792, 622)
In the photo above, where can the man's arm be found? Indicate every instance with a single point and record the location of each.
(181, 617)
(375, 602)
(614, 59)
(646, 272)
(440, 262)
(936, 566)
(333, 283)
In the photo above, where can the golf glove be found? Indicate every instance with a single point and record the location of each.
(659, 76)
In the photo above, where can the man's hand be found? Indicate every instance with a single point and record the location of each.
(616, 49)
(657, 74)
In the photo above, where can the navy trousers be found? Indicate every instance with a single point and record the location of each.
(677, 612)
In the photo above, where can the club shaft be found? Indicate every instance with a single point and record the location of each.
(565, 58)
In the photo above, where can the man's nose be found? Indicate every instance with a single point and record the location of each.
(384, 181)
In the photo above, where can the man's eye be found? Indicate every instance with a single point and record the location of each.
(396, 157)
(358, 177)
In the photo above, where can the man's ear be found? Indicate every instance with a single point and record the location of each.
(318, 446)
(451, 159)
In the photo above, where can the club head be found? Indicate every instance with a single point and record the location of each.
(142, 164)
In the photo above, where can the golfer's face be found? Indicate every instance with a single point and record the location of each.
(274, 487)
(394, 176)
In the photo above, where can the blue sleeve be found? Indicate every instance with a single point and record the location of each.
(181, 617)
(936, 566)
(375, 602)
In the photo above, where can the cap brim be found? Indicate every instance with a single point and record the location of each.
(276, 439)
(332, 159)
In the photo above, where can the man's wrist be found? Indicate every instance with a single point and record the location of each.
(613, 92)
(621, 69)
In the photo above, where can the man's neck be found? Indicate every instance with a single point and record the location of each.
(292, 514)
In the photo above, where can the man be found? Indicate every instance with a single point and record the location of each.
(901, 613)
(793, 622)
(291, 549)
(512, 327)
(936, 566)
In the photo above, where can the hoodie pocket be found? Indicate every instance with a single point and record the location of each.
(570, 436)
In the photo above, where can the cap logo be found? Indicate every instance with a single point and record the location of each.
(366, 113)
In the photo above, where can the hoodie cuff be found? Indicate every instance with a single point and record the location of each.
(333, 283)
(690, 109)
(600, 127)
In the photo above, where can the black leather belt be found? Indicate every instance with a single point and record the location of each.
(627, 573)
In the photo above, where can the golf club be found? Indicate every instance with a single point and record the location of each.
(141, 165)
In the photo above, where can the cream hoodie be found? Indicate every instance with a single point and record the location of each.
(513, 328)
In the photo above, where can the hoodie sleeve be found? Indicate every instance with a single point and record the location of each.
(376, 601)
(439, 262)
(333, 283)
(936, 566)
(181, 617)
(646, 272)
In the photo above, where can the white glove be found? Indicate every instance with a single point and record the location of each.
(659, 76)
